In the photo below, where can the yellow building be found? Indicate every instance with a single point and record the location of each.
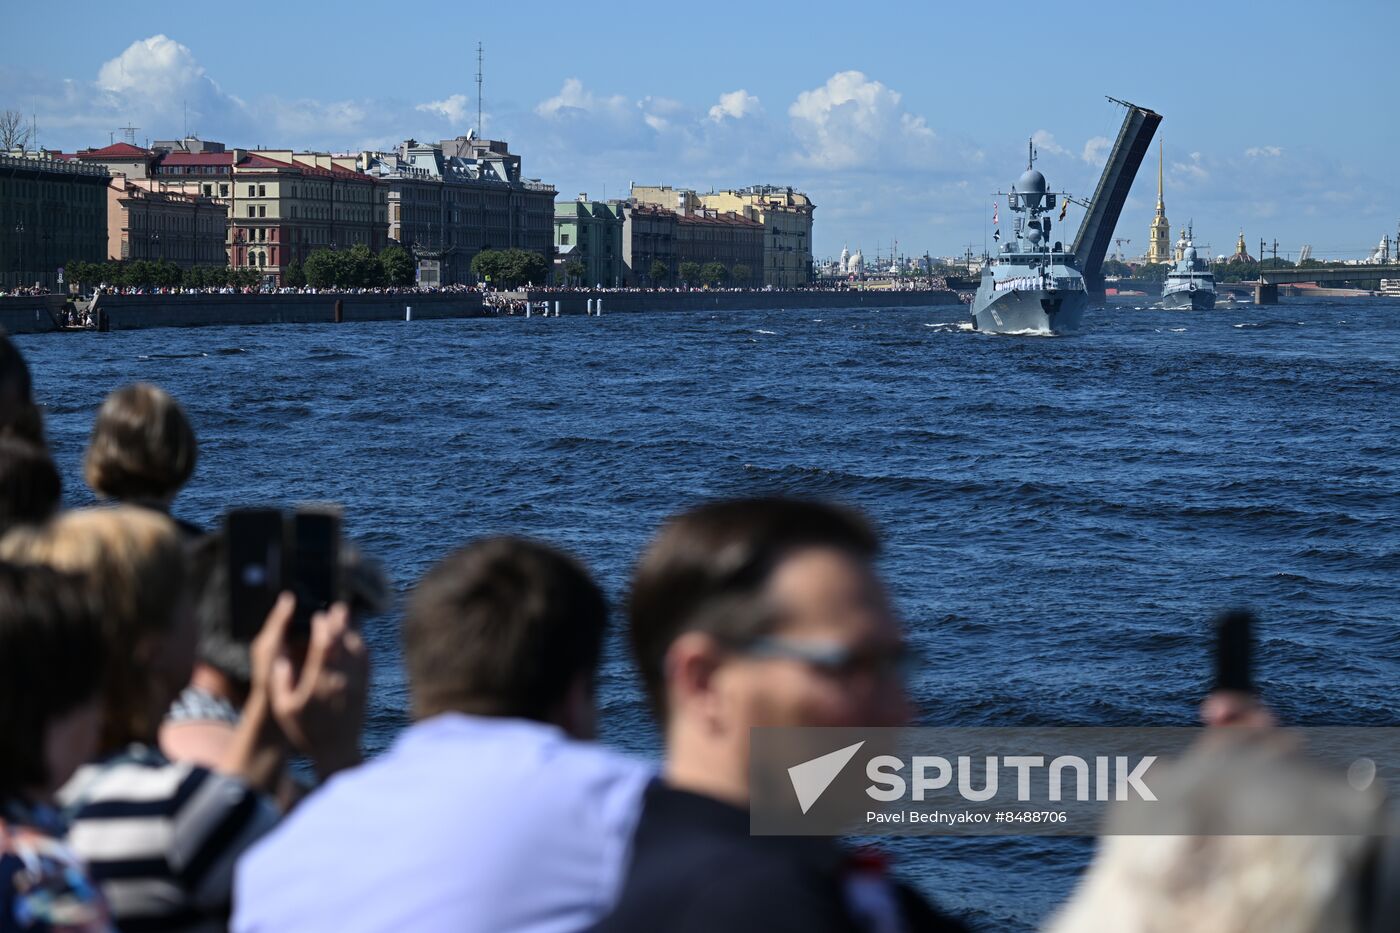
(786, 216)
(680, 200)
(1159, 236)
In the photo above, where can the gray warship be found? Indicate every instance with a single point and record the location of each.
(1033, 285)
(1190, 285)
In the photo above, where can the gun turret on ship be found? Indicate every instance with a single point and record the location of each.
(1033, 285)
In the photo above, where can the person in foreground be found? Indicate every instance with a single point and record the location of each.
(747, 614)
(204, 723)
(51, 657)
(492, 812)
(160, 837)
(142, 450)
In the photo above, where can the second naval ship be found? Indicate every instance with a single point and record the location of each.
(1032, 285)
(1190, 284)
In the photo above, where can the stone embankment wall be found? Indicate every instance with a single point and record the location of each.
(30, 315)
(128, 312)
(619, 302)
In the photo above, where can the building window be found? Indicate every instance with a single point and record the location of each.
(223, 191)
(252, 212)
(262, 210)
(208, 191)
(563, 239)
(262, 191)
(252, 189)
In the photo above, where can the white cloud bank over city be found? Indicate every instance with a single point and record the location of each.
(874, 167)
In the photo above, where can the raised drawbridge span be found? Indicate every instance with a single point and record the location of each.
(1095, 234)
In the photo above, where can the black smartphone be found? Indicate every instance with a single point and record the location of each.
(1234, 651)
(315, 563)
(256, 548)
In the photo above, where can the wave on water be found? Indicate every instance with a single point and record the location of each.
(170, 356)
(950, 327)
(770, 333)
(1028, 332)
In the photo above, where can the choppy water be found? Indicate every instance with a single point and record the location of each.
(1062, 515)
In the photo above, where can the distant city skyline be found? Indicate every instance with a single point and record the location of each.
(900, 123)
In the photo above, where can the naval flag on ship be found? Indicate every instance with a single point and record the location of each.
(1064, 209)
(996, 224)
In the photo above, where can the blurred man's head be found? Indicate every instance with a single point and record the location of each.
(506, 627)
(134, 560)
(51, 663)
(763, 612)
(29, 484)
(19, 417)
(142, 449)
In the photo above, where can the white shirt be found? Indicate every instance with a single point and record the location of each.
(468, 823)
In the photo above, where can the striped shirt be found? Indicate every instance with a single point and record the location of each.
(161, 838)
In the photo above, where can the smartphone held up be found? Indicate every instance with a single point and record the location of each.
(271, 551)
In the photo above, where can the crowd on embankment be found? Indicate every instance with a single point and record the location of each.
(147, 733)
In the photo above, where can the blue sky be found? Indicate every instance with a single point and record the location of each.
(899, 119)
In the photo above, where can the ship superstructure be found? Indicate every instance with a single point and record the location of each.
(1033, 284)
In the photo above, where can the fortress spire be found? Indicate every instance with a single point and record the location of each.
(1160, 234)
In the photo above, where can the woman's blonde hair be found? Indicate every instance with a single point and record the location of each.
(135, 561)
(142, 446)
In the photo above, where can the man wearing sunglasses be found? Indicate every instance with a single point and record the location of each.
(744, 614)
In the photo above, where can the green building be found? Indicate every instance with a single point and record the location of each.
(52, 211)
(588, 234)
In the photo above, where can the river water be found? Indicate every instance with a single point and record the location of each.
(1061, 515)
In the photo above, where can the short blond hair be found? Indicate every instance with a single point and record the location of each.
(135, 560)
(142, 445)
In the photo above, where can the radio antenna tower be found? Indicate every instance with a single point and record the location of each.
(478, 89)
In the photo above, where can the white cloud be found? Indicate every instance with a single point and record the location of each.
(456, 109)
(574, 97)
(853, 119)
(1096, 151)
(736, 105)
(660, 113)
(1271, 152)
(1194, 169)
(1045, 142)
(157, 64)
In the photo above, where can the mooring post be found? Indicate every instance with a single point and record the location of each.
(408, 312)
(598, 308)
(339, 311)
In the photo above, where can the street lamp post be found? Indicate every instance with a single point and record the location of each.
(19, 242)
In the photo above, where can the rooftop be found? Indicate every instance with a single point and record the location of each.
(196, 158)
(51, 163)
(116, 151)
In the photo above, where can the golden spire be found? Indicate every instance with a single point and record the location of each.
(1159, 175)
(1159, 248)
